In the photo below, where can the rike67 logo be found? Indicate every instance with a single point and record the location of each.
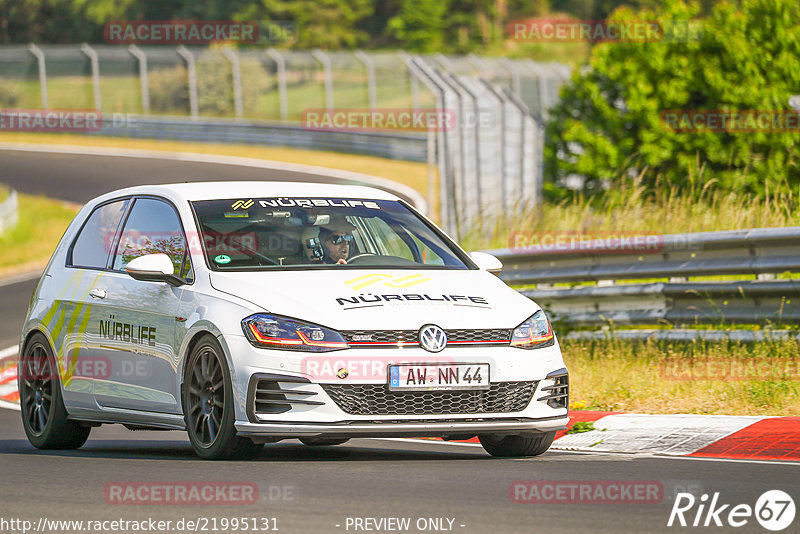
(774, 510)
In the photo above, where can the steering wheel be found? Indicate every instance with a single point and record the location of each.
(359, 256)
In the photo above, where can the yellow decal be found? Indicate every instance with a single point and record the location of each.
(56, 317)
(387, 279)
(244, 204)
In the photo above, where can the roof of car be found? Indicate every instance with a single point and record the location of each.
(192, 191)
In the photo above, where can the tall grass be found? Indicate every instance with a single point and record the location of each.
(630, 207)
(685, 377)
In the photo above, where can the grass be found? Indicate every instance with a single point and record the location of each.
(699, 377)
(3, 193)
(632, 210)
(581, 427)
(29, 245)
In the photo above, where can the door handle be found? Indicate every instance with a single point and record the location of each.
(97, 293)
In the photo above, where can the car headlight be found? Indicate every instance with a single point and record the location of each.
(276, 332)
(534, 333)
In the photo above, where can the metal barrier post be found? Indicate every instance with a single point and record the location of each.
(449, 160)
(327, 70)
(516, 79)
(280, 64)
(236, 74)
(471, 210)
(141, 57)
(544, 96)
(536, 174)
(92, 55)
(39, 55)
(417, 74)
(192, 72)
(369, 65)
(504, 178)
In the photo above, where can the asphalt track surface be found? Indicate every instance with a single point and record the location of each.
(309, 489)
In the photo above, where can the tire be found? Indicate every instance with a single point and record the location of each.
(208, 406)
(44, 417)
(519, 445)
(323, 442)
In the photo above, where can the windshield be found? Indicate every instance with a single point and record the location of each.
(300, 233)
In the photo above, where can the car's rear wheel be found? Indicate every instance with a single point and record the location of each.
(518, 445)
(208, 405)
(323, 442)
(44, 416)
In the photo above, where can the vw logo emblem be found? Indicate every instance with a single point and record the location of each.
(432, 338)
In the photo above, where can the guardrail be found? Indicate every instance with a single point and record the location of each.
(761, 252)
(401, 146)
(8, 211)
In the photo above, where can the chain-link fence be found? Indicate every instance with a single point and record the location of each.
(488, 158)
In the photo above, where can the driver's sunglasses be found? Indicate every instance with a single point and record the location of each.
(337, 239)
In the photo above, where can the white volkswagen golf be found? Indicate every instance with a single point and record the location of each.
(251, 312)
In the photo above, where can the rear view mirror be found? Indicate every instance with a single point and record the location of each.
(487, 262)
(154, 268)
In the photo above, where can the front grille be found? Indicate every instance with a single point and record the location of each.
(381, 336)
(377, 338)
(267, 396)
(478, 336)
(558, 393)
(376, 399)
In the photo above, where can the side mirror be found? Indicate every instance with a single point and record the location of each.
(154, 268)
(487, 262)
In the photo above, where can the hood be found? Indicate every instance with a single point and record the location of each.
(351, 299)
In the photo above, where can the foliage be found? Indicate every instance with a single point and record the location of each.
(326, 24)
(419, 25)
(10, 95)
(581, 426)
(631, 208)
(609, 123)
(169, 90)
(702, 377)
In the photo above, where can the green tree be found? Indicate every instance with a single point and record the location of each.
(419, 25)
(328, 24)
(610, 120)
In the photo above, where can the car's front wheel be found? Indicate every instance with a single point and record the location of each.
(44, 416)
(208, 406)
(518, 445)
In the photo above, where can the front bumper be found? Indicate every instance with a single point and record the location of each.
(396, 429)
(299, 401)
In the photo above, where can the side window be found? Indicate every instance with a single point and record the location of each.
(152, 227)
(389, 241)
(92, 246)
(429, 256)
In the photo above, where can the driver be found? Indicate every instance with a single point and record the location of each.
(336, 238)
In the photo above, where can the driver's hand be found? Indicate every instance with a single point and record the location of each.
(341, 262)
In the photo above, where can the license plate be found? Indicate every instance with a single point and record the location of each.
(426, 377)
